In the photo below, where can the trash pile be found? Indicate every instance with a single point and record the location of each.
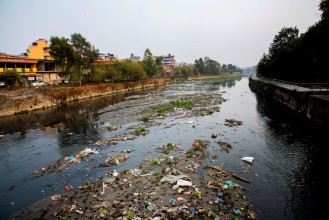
(114, 160)
(225, 146)
(62, 163)
(168, 148)
(232, 122)
(159, 188)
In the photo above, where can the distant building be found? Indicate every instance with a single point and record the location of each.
(169, 60)
(134, 58)
(105, 58)
(39, 50)
(47, 71)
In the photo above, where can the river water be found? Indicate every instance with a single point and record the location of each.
(286, 176)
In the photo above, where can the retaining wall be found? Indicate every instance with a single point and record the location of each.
(310, 103)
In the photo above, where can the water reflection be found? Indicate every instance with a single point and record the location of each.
(76, 117)
(296, 146)
(286, 175)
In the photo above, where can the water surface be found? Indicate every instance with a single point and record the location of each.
(286, 176)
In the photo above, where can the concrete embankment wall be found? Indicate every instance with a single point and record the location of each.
(87, 91)
(310, 103)
(319, 108)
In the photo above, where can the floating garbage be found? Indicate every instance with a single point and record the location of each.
(232, 122)
(182, 193)
(237, 212)
(55, 197)
(214, 135)
(68, 188)
(225, 146)
(172, 178)
(196, 144)
(184, 183)
(248, 159)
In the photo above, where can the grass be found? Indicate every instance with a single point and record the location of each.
(89, 185)
(162, 108)
(228, 193)
(157, 175)
(170, 163)
(129, 213)
(145, 119)
(169, 147)
(219, 78)
(110, 128)
(144, 171)
(140, 130)
(192, 150)
(156, 162)
(126, 171)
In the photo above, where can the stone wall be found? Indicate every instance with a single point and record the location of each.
(309, 103)
(319, 108)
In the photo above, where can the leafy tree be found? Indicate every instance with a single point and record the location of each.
(99, 72)
(184, 70)
(149, 63)
(159, 68)
(199, 66)
(10, 77)
(282, 39)
(62, 53)
(299, 59)
(211, 66)
(125, 70)
(324, 7)
(74, 56)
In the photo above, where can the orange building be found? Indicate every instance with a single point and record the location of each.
(39, 50)
(47, 69)
(25, 67)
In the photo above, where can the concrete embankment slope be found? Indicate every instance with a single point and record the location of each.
(310, 101)
(30, 99)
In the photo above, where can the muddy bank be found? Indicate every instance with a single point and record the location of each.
(159, 188)
(24, 100)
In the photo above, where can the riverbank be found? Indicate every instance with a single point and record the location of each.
(25, 100)
(308, 100)
(21, 101)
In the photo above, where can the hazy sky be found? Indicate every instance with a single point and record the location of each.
(229, 31)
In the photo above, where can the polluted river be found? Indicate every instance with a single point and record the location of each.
(59, 152)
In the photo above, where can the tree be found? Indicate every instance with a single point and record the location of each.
(299, 59)
(282, 39)
(74, 56)
(84, 54)
(184, 70)
(324, 7)
(159, 68)
(211, 66)
(62, 53)
(10, 77)
(125, 70)
(149, 63)
(199, 66)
